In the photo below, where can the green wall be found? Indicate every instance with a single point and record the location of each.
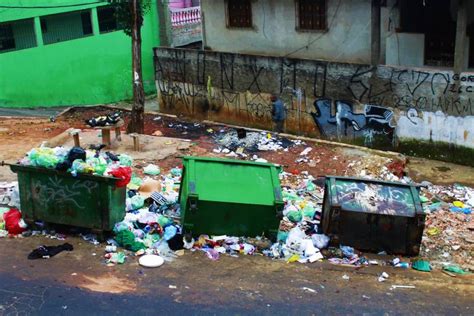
(90, 70)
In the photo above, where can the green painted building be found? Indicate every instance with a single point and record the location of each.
(65, 52)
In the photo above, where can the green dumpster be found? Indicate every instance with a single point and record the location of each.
(56, 197)
(231, 197)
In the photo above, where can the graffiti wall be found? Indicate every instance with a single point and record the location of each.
(373, 106)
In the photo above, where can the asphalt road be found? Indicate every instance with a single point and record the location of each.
(79, 283)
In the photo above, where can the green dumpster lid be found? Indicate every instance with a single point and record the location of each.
(361, 195)
(233, 181)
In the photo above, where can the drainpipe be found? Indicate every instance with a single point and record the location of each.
(375, 33)
(460, 45)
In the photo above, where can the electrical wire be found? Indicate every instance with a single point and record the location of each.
(317, 38)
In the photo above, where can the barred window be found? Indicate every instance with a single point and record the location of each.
(17, 35)
(239, 13)
(107, 19)
(66, 26)
(311, 14)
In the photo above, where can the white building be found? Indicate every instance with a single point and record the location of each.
(410, 32)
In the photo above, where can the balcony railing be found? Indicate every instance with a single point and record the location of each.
(185, 16)
(185, 26)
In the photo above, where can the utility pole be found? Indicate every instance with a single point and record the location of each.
(137, 122)
(460, 45)
(375, 33)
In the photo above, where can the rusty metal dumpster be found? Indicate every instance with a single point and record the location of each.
(373, 215)
(56, 197)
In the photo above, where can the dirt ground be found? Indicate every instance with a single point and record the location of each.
(19, 135)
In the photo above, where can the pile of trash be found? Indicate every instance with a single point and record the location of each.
(238, 140)
(449, 230)
(151, 228)
(379, 168)
(448, 237)
(76, 160)
(105, 120)
(151, 224)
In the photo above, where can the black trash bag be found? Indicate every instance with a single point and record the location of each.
(112, 156)
(114, 118)
(176, 243)
(64, 165)
(104, 120)
(132, 193)
(76, 153)
(241, 133)
(45, 252)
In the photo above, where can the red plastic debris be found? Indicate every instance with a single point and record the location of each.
(123, 173)
(13, 222)
(397, 167)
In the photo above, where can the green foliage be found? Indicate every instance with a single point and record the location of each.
(123, 13)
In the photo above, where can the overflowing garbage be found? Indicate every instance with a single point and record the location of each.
(152, 232)
(77, 160)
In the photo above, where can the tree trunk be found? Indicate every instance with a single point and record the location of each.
(137, 122)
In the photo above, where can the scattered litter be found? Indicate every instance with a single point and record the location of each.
(383, 277)
(307, 289)
(90, 238)
(454, 269)
(152, 170)
(393, 287)
(115, 258)
(151, 261)
(421, 265)
(46, 252)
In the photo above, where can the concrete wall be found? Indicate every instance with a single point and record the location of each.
(274, 31)
(383, 107)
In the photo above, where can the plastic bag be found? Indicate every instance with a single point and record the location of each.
(347, 251)
(14, 224)
(282, 236)
(320, 241)
(295, 216)
(125, 160)
(76, 153)
(136, 202)
(126, 239)
(123, 173)
(295, 238)
(170, 231)
(176, 172)
(152, 170)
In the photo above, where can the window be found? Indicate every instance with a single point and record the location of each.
(107, 19)
(7, 40)
(17, 35)
(311, 14)
(86, 23)
(66, 26)
(239, 13)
